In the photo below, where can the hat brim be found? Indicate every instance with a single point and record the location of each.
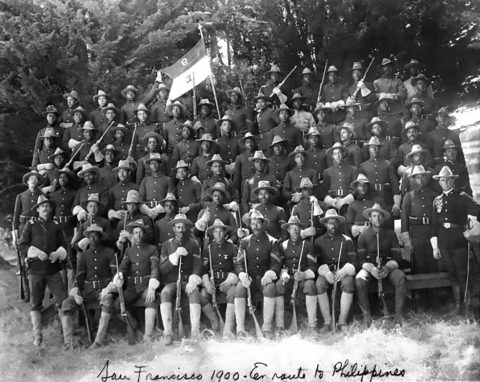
(68, 172)
(422, 151)
(225, 193)
(264, 97)
(91, 169)
(382, 123)
(204, 140)
(111, 108)
(246, 219)
(124, 91)
(410, 103)
(41, 178)
(86, 232)
(211, 105)
(290, 112)
(251, 159)
(171, 223)
(404, 131)
(163, 201)
(282, 142)
(145, 110)
(408, 65)
(437, 177)
(85, 202)
(227, 228)
(63, 153)
(338, 217)
(131, 226)
(115, 169)
(147, 161)
(293, 153)
(97, 96)
(158, 137)
(131, 202)
(209, 162)
(271, 189)
(334, 148)
(415, 80)
(52, 202)
(177, 167)
(66, 95)
(44, 113)
(419, 173)
(368, 211)
(230, 92)
(286, 225)
(355, 182)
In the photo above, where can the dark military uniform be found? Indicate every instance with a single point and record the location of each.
(228, 148)
(42, 156)
(383, 181)
(210, 182)
(353, 154)
(405, 182)
(106, 176)
(290, 133)
(85, 191)
(278, 166)
(333, 92)
(436, 140)
(244, 169)
(97, 116)
(199, 167)
(248, 196)
(100, 221)
(163, 230)
(310, 92)
(463, 182)
(242, 119)
(39, 141)
(118, 194)
(293, 178)
(23, 209)
(337, 179)
(354, 215)
(188, 194)
(224, 215)
(73, 132)
(405, 149)
(63, 216)
(360, 130)
(317, 160)
(208, 126)
(276, 216)
(186, 150)
(154, 188)
(328, 134)
(172, 133)
(266, 121)
(127, 111)
(147, 222)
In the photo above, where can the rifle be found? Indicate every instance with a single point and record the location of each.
(214, 295)
(24, 286)
(123, 310)
(334, 291)
(251, 308)
(73, 156)
(363, 79)
(78, 164)
(321, 84)
(286, 78)
(130, 150)
(178, 301)
(381, 294)
(294, 325)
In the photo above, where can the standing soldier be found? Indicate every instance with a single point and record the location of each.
(244, 164)
(415, 114)
(219, 258)
(337, 258)
(142, 125)
(162, 229)
(41, 160)
(89, 174)
(302, 119)
(333, 92)
(263, 263)
(87, 145)
(388, 144)
(187, 148)
(379, 255)
(242, 117)
(51, 115)
(207, 148)
(97, 116)
(328, 132)
(43, 247)
(139, 269)
(417, 157)
(308, 89)
(118, 193)
(286, 130)
(280, 163)
(266, 120)
(228, 144)
(271, 90)
(206, 123)
(362, 91)
(153, 143)
(96, 267)
(450, 213)
(112, 116)
(180, 258)
(413, 70)
(159, 104)
(390, 86)
(172, 130)
(73, 135)
(131, 93)
(187, 191)
(106, 176)
(450, 153)
(217, 166)
(298, 264)
(73, 101)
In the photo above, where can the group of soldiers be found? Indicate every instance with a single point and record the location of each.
(140, 206)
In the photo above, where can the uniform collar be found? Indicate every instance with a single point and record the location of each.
(449, 192)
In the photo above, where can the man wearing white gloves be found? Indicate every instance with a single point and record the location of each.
(95, 269)
(43, 248)
(264, 263)
(90, 185)
(180, 254)
(337, 259)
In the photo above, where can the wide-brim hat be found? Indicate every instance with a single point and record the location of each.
(278, 139)
(122, 164)
(42, 199)
(274, 69)
(218, 224)
(66, 171)
(73, 94)
(416, 149)
(235, 90)
(420, 77)
(206, 137)
(137, 224)
(189, 125)
(49, 132)
(449, 144)
(248, 136)
(219, 187)
(111, 148)
(376, 207)
(332, 68)
(387, 99)
(152, 134)
(349, 127)
(141, 107)
(445, 172)
(180, 218)
(264, 185)
(357, 66)
(378, 121)
(93, 228)
(133, 196)
(169, 198)
(154, 156)
(80, 110)
(337, 145)
(51, 109)
(313, 131)
(129, 88)
(41, 179)
(414, 100)
(206, 102)
(261, 96)
(410, 125)
(412, 62)
(111, 106)
(332, 214)
(361, 178)
(293, 220)
(254, 214)
(181, 164)
(297, 96)
(58, 151)
(227, 118)
(259, 155)
(119, 126)
(95, 197)
(418, 170)
(298, 150)
(284, 107)
(216, 158)
(168, 109)
(100, 94)
(87, 167)
(322, 107)
(306, 71)
(386, 61)
(88, 125)
(373, 141)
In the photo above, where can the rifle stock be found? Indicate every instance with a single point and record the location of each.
(285, 79)
(319, 97)
(178, 301)
(381, 293)
(23, 286)
(334, 291)
(294, 324)
(354, 95)
(251, 308)
(214, 295)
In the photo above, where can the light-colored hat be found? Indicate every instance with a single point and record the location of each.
(259, 155)
(168, 109)
(99, 94)
(94, 197)
(153, 156)
(111, 148)
(153, 134)
(261, 96)
(445, 172)
(293, 220)
(420, 77)
(418, 170)
(414, 100)
(306, 71)
(332, 214)
(205, 101)
(189, 125)
(42, 199)
(297, 96)
(413, 62)
(264, 185)
(206, 137)
(284, 107)
(357, 66)
(227, 118)
(216, 158)
(449, 144)
(277, 139)
(254, 214)
(349, 127)
(374, 141)
(58, 151)
(219, 186)
(332, 68)
(41, 179)
(180, 218)
(306, 183)
(313, 131)
(111, 106)
(274, 69)
(337, 145)
(235, 90)
(377, 120)
(141, 107)
(122, 164)
(87, 167)
(139, 223)
(93, 228)
(410, 125)
(169, 198)
(361, 178)
(88, 125)
(73, 94)
(49, 133)
(416, 149)
(298, 150)
(80, 110)
(51, 109)
(376, 207)
(248, 136)
(133, 196)
(386, 61)
(129, 88)
(218, 224)
(181, 164)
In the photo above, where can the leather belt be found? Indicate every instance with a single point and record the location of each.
(153, 203)
(338, 193)
(138, 279)
(62, 219)
(220, 275)
(423, 220)
(26, 218)
(451, 225)
(359, 142)
(380, 186)
(96, 284)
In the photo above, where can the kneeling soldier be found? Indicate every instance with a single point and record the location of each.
(95, 269)
(139, 268)
(220, 271)
(43, 244)
(379, 254)
(337, 258)
(299, 264)
(263, 266)
(180, 257)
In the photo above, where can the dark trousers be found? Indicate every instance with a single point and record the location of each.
(38, 283)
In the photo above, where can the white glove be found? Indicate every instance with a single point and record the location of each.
(268, 277)
(296, 197)
(340, 275)
(242, 232)
(436, 251)
(84, 243)
(308, 232)
(159, 76)
(368, 267)
(118, 280)
(232, 279)
(201, 223)
(332, 202)
(317, 210)
(348, 269)
(33, 252)
(158, 209)
(94, 149)
(284, 276)
(184, 210)
(323, 270)
(245, 280)
(153, 284)
(360, 85)
(195, 179)
(330, 277)
(358, 229)
(110, 288)
(75, 293)
(80, 213)
(299, 276)
(124, 236)
(193, 282)
(45, 166)
(66, 125)
(112, 214)
(175, 256)
(276, 91)
(72, 143)
(208, 285)
(391, 265)
(232, 206)
(49, 189)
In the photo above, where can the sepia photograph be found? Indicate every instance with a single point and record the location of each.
(239, 190)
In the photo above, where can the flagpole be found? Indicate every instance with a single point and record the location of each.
(194, 99)
(200, 28)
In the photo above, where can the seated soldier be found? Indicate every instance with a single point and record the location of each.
(260, 263)
(415, 113)
(337, 258)
(88, 147)
(51, 115)
(73, 101)
(180, 259)
(379, 255)
(112, 117)
(389, 144)
(411, 134)
(73, 134)
(299, 264)
(353, 152)
(219, 272)
(121, 141)
(316, 153)
(266, 120)
(58, 160)
(95, 269)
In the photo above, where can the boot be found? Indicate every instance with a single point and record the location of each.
(102, 330)
(457, 298)
(346, 300)
(36, 318)
(67, 328)
(325, 310)
(240, 304)
(166, 313)
(361, 286)
(211, 315)
(150, 316)
(311, 303)
(280, 313)
(268, 311)
(195, 312)
(229, 321)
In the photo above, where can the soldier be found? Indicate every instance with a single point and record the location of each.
(286, 130)
(266, 120)
(422, 84)
(162, 228)
(382, 177)
(142, 126)
(385, 113)
(271, 89)
(280, 163)
(42, 245)
(417, 157)
(172, 130)
(73, 101)
(219, 258)
(112, 116)
(154, 187)
(337, 258)
(302, 119)
(328, 132)
(187, 148)
(263, 264)
(106, 175)
(450, 153)
(450, 212)
(73, 135)
(316, 154)
(353, 152)
(333, 92)
(298, 264)
(40, 160)
(337, 179)
(390, 86)
(228, 144)
(89, 174)
(96, 267)
(140, 270)
(122, 143)
(187, 191)
(362, 91)
(388, 144)
(217, 165)
(244, 164)
(58, 159)
(379, 255)
(159, 105)
(24, 203)
(180, 258)
(131, 93)
(51, 115)
(97, 116)
(308, 88)
(411, 132)
(118, 193)
(415, 114)
(358, 121)
(413, 70)
(242, 117)
(82, 149)
(206, 123)
(207, 149)
(153, 143)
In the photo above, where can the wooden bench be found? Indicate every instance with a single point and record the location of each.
(426, 281)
